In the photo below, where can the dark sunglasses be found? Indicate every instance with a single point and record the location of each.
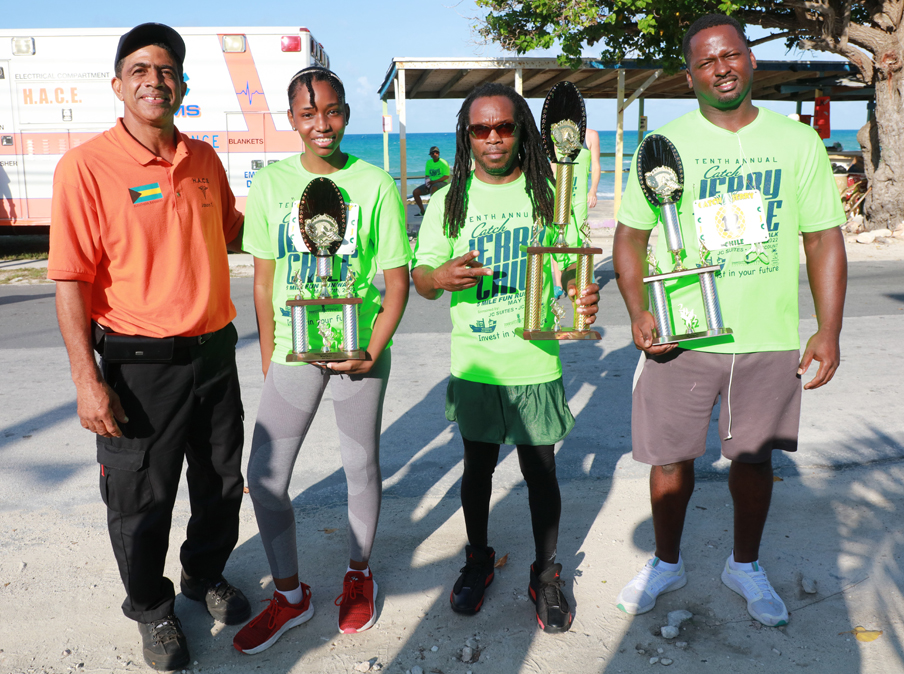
(482, 132)
(435, 152)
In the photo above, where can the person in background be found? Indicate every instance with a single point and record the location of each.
(583, 198)
(142, 216)
(437, 175)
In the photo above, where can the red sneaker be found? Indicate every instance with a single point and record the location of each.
(356, 603)
(279, 616)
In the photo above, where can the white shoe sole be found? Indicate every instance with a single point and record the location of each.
(634, 609)
(298, 620)
(369, 623)
(729, 582)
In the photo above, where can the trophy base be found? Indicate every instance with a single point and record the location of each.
(573, 250)
(684, 272)
(324, 301)
(692, 335)
(563, 334)
(325, 356)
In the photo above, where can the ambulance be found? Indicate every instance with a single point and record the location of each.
(55, 94)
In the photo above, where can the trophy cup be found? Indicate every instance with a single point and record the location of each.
(661, 177)
(322, 219)
(562, 128)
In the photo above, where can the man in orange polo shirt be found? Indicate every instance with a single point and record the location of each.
(142, 216)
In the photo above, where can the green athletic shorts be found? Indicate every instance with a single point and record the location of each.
(536, 414)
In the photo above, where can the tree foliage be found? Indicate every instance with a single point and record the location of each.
(868, 33)
(651, 30)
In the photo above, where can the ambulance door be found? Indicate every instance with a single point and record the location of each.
(245, 148)
(13, 206)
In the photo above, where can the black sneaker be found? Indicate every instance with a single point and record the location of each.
(164, 644)
(476, 575)
(553, 612)
(224, 602)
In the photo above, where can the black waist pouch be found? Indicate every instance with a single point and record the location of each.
(136, 349)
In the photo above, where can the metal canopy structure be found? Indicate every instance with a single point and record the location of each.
(453, 78)
(430, 78)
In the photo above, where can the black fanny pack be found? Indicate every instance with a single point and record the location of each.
(137, 349)
(116, 348)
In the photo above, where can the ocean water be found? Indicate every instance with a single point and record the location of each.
(369, 147)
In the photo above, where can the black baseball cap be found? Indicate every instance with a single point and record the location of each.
(150, 33)
(433, 149)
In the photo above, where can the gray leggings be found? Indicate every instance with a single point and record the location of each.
(289, 401)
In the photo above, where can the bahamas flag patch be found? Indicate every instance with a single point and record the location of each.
(144, 193)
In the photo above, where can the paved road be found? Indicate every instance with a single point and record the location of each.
(853, 420)
(27, 318)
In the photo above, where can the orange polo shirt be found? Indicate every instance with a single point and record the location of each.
(149, 236)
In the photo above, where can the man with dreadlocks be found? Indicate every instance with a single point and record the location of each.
(502, 389)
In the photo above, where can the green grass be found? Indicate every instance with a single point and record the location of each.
(24, 276)
(24, 247)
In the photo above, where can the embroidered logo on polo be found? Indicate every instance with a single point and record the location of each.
(144, 193)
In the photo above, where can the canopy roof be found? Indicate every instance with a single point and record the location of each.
(430, 78)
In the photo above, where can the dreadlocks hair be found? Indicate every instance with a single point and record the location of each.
(306, 76)
(705, 22)
(531, 158)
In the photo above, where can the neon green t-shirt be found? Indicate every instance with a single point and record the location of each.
(580, 187)
(375, 236)
(485, 347)
(434, 170)
(787, 162)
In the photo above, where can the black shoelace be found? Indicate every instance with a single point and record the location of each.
(552, 594)
(223, 590)
(473, 574)
(166, 630)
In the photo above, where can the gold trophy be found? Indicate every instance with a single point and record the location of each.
(661, 176)
(562, 128)
(322, 220)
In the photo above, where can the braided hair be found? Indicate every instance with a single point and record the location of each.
(306, 76)
(531, 158)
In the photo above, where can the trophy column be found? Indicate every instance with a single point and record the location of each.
(533, 291)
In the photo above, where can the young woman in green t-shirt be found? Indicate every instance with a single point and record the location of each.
(292, 392)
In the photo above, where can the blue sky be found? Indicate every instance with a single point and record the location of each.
(362, 37)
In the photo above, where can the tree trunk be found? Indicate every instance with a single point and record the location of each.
(881, 141)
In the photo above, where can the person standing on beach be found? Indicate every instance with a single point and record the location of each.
(503, 389)
(582, 197)
(142, 215)
(437, 174)
(727, 146)
(283, 267)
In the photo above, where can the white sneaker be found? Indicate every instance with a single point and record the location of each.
(639, 596)
(763, 603)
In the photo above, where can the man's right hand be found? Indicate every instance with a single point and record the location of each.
(642, 327)
(460, 273)
(99, 409)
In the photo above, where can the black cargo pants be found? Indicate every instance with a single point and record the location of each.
(189, 407)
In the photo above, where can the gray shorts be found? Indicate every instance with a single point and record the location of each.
(674, 396)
